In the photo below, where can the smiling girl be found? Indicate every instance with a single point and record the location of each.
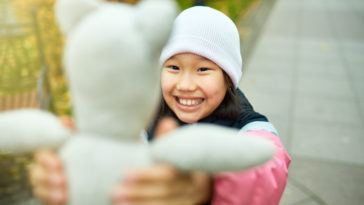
(193, 86)
(200, 76)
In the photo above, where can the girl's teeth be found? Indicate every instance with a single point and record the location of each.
(188, 102)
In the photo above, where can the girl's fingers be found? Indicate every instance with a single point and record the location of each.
(48, 191)
(48, 160)
(37, 175)
(155, 202)
(41, 193)
(165, 125)
(68, 122)
(57, 197)
(51, 197)
(157, 173)
(152, 194)
(159, 183)
(47, 170)
(45, 190)
(47, 178)
(140, 192)
(41, 177)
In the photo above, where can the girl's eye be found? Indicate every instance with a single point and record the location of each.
(173, 67)
(203, 69)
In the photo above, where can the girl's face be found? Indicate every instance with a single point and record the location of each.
(192, 86)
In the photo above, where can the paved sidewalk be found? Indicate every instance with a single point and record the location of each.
(306, 74)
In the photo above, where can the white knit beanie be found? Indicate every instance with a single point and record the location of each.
(209, 33)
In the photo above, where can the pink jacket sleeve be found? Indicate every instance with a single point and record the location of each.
(263, 185)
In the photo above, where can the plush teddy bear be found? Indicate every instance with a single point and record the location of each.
(111, 60)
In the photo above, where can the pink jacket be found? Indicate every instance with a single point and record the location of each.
(263, 185)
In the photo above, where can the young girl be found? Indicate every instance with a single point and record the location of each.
(199, 79)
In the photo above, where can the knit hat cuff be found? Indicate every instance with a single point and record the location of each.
(196, 45)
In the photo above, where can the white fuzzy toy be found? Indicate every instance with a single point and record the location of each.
(111, 60)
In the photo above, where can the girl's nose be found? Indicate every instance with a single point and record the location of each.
(186, 83)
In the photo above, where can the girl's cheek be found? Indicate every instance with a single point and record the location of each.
(166, 82)
(163, 78)
(166, 92)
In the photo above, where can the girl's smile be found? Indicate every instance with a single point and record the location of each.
(188, 104)
(192, 86)
(189, 101)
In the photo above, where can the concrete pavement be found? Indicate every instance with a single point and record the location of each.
(306, 73)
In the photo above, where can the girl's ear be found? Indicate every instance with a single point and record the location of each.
(70, 12)
(155, 18)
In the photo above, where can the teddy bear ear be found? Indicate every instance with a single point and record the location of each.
(69, 12)
(155, 19)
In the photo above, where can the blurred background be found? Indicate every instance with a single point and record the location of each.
(303, 68)
(306, 73)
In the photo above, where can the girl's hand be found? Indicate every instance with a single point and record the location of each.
(48, 179)
(47, 176)
(162, 184)
(68, 122)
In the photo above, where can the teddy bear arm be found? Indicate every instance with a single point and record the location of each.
(211, 149)
(27, 130)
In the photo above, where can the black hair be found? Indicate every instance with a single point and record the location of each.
(229, 107)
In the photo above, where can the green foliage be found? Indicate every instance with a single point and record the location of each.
(184, 4)
(20, 54)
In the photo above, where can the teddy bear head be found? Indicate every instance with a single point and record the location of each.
(112, 63)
